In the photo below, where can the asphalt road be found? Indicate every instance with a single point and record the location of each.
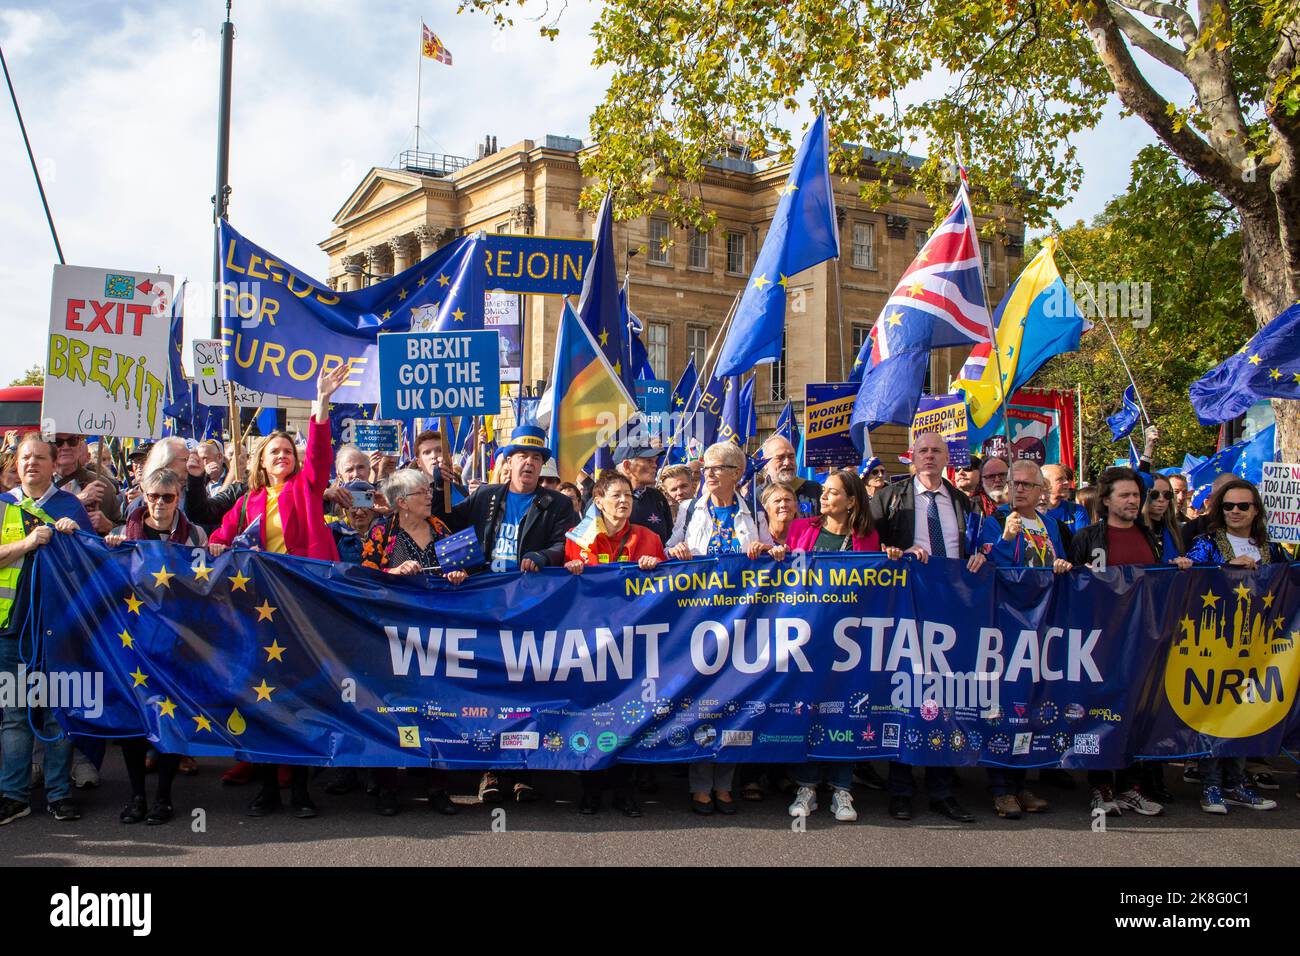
(551, 831)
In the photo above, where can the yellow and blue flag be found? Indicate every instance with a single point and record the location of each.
(1036, 319)
(591, 403)
(803, 233)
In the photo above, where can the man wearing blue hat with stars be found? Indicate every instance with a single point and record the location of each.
(521, 527)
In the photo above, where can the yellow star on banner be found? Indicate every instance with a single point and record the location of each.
(1296, 376)
(265, 611)
(762, 281)
(264, 691)
(1274, 374)
(894, 318)
(1210, 599)
(604, 337)
(787, 189)
(458, 315)
(132, 603)
(423, 280)
(443, 281)
(274, 652)
(201, 723)
(1268, 599)
(618, 367)
(201, 572)
(857, 363)
(141, 680)
(127, 639)
(1254, 360)
(388, 313)
(1241, 591)
(166, 708)
(916, 288)
(782, 281)
(162, 577)
(238, 582)
(401, 294)
(1186, 621)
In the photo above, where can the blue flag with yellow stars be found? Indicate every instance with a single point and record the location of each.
(682, 400)
(180, 403)
(600, 308)
(280, 324)
(803, 233)
(1245, 459)
(1122, 422)
(1268, 366)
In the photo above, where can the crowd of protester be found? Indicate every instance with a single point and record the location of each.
(373, 510)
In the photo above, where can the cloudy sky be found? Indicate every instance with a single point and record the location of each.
(120, 104)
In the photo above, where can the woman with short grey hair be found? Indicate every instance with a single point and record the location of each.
(160, 519)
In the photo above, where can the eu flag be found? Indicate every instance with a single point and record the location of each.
(803, 233)
(785, 424)
(733, 424)
(1122, 422)
(180, 403)
(1245, 459)
(599, 307)
(1268, 366)
(682, 400)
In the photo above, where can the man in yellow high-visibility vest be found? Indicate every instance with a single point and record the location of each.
(29, 514)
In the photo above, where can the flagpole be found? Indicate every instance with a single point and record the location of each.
(1113, 341)
(700, 377)
(221, 199)
(419, 86)
(839, 309)
(993, 332)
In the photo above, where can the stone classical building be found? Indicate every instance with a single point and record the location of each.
(682, 283)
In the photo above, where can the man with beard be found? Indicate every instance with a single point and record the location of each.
(780, 465)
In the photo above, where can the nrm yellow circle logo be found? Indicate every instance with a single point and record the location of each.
(1234, 671)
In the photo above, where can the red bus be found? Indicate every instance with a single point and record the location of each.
(20, 408)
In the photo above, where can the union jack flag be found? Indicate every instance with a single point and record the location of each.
(938, 302)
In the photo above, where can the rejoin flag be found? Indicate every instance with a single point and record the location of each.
(803, 233)
(1268, 366)
(1035, 320)
(590, 400)
(938, 302)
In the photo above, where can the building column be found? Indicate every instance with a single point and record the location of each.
(348, 282)
(403, 248)
(378, 261)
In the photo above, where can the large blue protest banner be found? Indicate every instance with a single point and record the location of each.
(439, 373)
(273, 658)
(536, 265)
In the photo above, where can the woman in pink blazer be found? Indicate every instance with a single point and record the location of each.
(286, 495)
(844, 524)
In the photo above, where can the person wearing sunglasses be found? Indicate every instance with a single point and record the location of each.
(874, 476)
(160, 519)
(967, 477)
(1161, 513)
(95, 489)
(1236, 536)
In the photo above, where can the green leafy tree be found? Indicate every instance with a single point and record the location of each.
(33, 376)
(1169, 245)
(1016, 81)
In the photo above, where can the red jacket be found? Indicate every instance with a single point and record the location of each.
(803, 535)
(640, 542)
(302, 509)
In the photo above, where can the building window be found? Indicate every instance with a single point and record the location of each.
(736, 252)
(920, 239)
(697, 345)
(986, 256)
(860, 334)
(658, 251)
(864, 245)
(776, 389)
(656, 346)
(699, 250)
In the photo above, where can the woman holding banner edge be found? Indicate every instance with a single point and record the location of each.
(285, 498)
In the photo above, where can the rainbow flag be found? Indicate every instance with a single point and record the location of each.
(591, 403)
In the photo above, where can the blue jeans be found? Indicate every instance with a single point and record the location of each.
(1222, 772)
(838, 773)
(1005, 780)
(16, 742)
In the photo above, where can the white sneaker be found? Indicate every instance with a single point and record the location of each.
(84, 774)
(1138, 802)
(1104, 800)
(842, 806)
(805, 802)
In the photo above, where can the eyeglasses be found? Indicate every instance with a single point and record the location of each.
(1027, 485)
(717, 469)
(995, 476)
(166, 497)
(1163, 495)
(420, 494)
(1238, 505)
(71, 442)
